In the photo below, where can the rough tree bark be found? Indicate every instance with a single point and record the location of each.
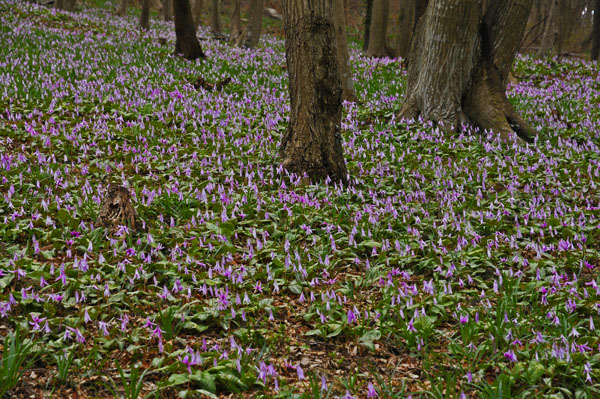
(167, 8)
(312, 143)
(596, 31)
(367, 34)
(215, 16)
(551, 40)
(460, 78)
(405, 27)
(339, 22)
(235, 23)
(66, 5)
(186, 42)
(252, 35)
(420, 7)
(378, 35)
(122, 10)
(197, 11)
(145, 15)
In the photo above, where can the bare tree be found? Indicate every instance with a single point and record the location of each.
(252, 34)
(596, 31)
(197, 11)
(345, 70)
(215, 16)
(145, 15)
(167, 10)
(405, 27)
(312, 143)
(367, 34)
(551, 40)
(235, 23)
(186, 42)
(378, 32)
(460, 59)
(122, 10)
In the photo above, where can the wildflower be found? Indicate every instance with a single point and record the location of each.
(300, 373)
(510, 356)
(371, 392)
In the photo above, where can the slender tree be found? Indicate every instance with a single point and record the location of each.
(460, 59)
(167, 10)
(145, 15)
(378, 32)
(186, 42)
(596, 31)
(122, 10)
(235, 23)
(312, 143)
(252, 35)
(345, 70)
(197, 11)
(405, 27)
(551, 40)
(367, 34)
(215, 16)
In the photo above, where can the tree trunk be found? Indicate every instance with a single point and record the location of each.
(235, 23)
(367, 34)
(167, 10)
(339, 22)
(458, 67)
(378, 35)
(252, 35)
(312, 143)
(420, 7)
(215, 16)
(122, 10)
(405, 27)
(145, 15)
(197, 10)
(596, 31)
(58, 4)
(186, 42)
(552, 35)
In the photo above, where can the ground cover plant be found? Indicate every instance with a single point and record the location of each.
(451, 267)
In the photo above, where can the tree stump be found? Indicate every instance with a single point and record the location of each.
(116, 209)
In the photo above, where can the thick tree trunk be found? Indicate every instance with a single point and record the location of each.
(145, 15)
(312, 143)
(215, 16)
(252, 35)
(345, 70)
(596, 31)
(235, 23)
(186, 42)
(460, 77)
(551, 42)
(420, 7)
(122, 10)
(167, 10)
(405, 27)
(58, 4)
(66, 5)
(197, 11)
(378, 35)
(367, 34)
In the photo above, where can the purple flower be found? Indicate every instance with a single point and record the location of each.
(510, 356)
(371, 391)
(300, 373)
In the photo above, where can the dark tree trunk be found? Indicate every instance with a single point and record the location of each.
(197, 10)
(460, 77)
(420, 7)
(339, 22)
(186, 42)
(235, 23)
(145, 15)
(378, 32)
(215, 16)
(405, 27)
(252, 35)
(122, 10)
(551, 40)
(367, 34)
(596, 31)
(167, 7)
(312, 143)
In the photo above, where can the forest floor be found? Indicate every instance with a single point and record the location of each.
(453, 265)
